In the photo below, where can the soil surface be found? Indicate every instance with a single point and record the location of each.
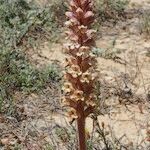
(126, 64)
(128, 56)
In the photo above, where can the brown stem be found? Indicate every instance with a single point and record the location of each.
(81, 131)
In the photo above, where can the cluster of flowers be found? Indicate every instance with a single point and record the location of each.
(80, 75)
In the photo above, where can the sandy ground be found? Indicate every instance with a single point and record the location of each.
(132, 47)
(131, 124)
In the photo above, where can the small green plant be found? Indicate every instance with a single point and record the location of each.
(20, 21)
(48, 147)
(148, 54)
(18, 75)
(63, 134)
(110, 9)
(108, 53)
(145, 24)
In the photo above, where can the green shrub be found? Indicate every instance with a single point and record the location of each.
(15, 19)
(145, 24)
(18, 75)
(110, 9)
(48, 147)
(20, 21)
(148, 54)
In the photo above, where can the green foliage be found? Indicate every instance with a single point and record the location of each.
(63, 134)
(110, 9)
(148, 54)
(145, 23)
(21, 21)
(48, 147)
(106, 53)
(89, 145)
(15, 19)
(18, 75)
(109, 53)
(17, 147)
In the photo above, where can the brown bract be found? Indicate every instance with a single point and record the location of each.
(80, 64)
(80, 73)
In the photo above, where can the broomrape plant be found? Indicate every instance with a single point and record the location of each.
(80, 74)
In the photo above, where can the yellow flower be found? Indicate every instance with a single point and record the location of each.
(74, 68)
(68, 23)
(82, 29)
(67, 88)
(79, 54)
(72, 114)
(90, 33)
(77, 96)
(86, 77)
(84, 48)
(90, 103)
(75, 71)
(83, 51)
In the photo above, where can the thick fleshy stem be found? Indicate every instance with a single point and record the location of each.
(80, 65)
(81, 132)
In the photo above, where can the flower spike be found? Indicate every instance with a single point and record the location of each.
(80, 65)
